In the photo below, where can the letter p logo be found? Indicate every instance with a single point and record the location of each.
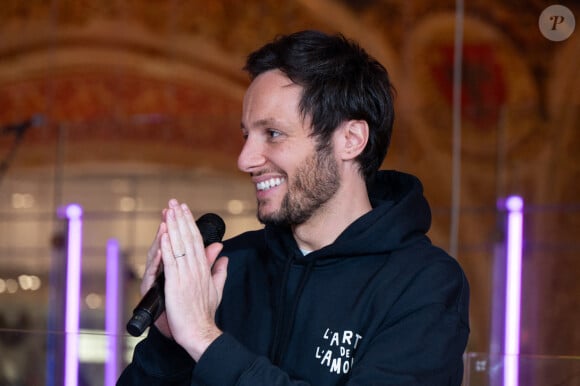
(557, 19)
(557, 23)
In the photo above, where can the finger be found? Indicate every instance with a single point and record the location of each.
(185, 221)
(174, 230)
(153, 263)
(197, 238)
(169, 260)
(153, 251)
(172, 281)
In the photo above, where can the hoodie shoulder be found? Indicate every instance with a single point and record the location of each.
(247, 241)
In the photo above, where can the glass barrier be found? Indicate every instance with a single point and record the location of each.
(483, 369)
(39, 358)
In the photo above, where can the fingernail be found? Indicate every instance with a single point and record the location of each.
(173, 202)
(184, 207)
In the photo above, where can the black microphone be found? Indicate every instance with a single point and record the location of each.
(212, 229)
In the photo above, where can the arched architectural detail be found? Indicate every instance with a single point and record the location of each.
(124, 99)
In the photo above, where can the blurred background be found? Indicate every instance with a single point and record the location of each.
(119, 105)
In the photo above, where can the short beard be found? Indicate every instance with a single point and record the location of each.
(313, 186)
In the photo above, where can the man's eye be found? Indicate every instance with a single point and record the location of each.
(273, 133)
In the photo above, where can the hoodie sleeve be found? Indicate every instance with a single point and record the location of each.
(227, 362)
(158, 361)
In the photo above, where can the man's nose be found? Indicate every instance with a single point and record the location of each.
(251, 157)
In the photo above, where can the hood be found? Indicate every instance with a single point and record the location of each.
(400, 214)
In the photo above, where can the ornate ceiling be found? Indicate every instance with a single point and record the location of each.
(143, 71)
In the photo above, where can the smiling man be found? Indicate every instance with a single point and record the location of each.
(342, 286)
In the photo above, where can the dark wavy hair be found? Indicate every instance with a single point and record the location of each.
(340, 81)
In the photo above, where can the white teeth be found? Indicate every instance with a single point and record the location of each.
(272, 182)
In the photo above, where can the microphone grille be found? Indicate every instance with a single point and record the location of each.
(212, 228)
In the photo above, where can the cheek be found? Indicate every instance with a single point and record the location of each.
(294, 158)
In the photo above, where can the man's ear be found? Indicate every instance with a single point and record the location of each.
(354, 135)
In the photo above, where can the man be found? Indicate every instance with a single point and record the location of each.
(342, 287)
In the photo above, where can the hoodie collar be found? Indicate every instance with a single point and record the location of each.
(400, 213)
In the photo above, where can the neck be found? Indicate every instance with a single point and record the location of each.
(323, 228)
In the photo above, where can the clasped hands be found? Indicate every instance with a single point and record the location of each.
(194, 280)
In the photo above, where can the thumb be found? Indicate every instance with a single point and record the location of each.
(219, 266)
(219, 274)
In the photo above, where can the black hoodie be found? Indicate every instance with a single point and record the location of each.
(379, 306)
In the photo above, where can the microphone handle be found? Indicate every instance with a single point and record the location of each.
(149, 308)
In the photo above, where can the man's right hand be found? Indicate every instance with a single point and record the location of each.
(153, 266)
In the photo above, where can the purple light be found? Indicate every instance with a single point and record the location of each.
(514, 205)
(112, 313)
(73, 292)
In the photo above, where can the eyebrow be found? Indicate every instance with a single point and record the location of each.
(263, 123)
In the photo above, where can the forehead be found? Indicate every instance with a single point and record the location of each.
(275, 79)
(273, 101)
(272, 90)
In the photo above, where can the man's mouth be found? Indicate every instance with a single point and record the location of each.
(269, 184)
